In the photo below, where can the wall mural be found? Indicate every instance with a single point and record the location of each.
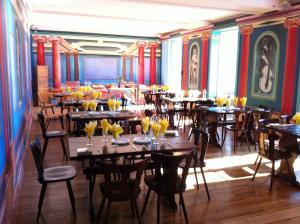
(265, 66)
(194, 58)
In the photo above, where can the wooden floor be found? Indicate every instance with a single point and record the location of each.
(234, 198)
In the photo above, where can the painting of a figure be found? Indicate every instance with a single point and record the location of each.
(194, 58)
(264, 78)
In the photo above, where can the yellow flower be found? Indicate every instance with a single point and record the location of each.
(146, 124)
(82, 89)
(85, 105)
(99, 94)
(62, 89)
(95, 95)
(151, 88)
(235, 101)
(228, 101)
(93, 105)
(164, 124)
(296, 117)
(111, 104)
(105, 125)
(116, 130)
(156, 88)
(163, 88)
(88, 89)
(220, 101)
(69, 89)
(118, 104)
(155, 128)
(243, 101)
(90, 128)
(167, 88)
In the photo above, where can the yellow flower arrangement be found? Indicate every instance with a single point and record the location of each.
(105, 126)
(235, 101)
(82, 89)
(243, 101)
(117, 105)
(89, 89)
(62, 89)
(93, 105)
(167, 88)
(155, 128)
(111, 104)
(90, 128)
(85, 105)
(146, 124)
(220, 101)
(228, 101)
(296, 117)
(163, 88)
(156, 88)
(164, 124)
(116, 130)
(69, 89)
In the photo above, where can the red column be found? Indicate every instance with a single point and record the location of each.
(288, 92)
(76, 67)
(131, 68)
(124, 66)
(153, 46)
(141, 65)
(205, 38)
(40, 49)
(56, 63)
(246, 31)
(184, 63)
(68, 67)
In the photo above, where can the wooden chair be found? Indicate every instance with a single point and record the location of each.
(242, 121)
(269, 153)
(161, 111)
(168, 182)
(51, 175)
(199, 159)
(50, 116)
(124, 189)
(51, 134)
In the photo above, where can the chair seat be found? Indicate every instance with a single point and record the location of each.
(59, 173)
(54, 116)
(54, 134)
(277, 155)
(152, 183)
(232, 127)
(115, 193)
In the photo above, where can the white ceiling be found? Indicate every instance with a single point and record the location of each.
(138, 17)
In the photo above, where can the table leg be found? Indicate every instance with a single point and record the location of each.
(92, 213)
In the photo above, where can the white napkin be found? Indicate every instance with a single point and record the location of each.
(79, 150)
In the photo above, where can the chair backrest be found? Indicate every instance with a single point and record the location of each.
(148, 98)
(41, 119)
(202, 135)
(169, 164)
(124, 171)
(148, 113)
(35, 146)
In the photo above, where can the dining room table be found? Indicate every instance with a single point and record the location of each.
(86, 116)
(130, 145)
(290, 133)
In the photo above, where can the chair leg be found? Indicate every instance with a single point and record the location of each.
(45, 147)
(258, 165)
(196, 178)
(205, 184)
(132, 207)
(146, 201)
(288, 167)
(256, 159)
(101, 208)
(272, 175)
(137, 211)
(71, 195)
(224, 137)
(184, 209)
(158, 209)
(64, 147)
(42, 195)
(107, 211)
(234, 141)
(61, 119)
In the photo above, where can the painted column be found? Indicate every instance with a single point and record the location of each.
(124, 66)
(205, 38)
(246, 30)
(40, 49)
(76, 67)
(184, 63)
(290, 68)
(153, 46)
(141, 65)
(131, 68)
(56, 63)
(68, 66)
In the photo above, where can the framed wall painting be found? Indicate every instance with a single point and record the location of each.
(265, 66)
(194, 59)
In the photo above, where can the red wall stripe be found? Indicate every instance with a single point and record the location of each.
(184, 64)
(204, 62)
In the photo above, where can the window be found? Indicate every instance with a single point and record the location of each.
(223, 62)
(172, 63)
